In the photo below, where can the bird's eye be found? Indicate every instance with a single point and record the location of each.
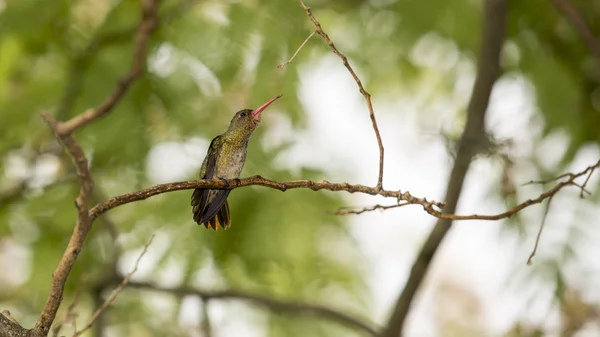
(244, 114)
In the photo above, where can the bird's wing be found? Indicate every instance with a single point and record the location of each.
(206, 203)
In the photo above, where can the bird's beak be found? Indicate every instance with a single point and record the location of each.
(256, 113)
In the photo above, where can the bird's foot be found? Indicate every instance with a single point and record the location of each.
(225, 181)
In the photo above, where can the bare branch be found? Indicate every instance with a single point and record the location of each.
(257, 181)
(570, 181)
(145, 28)
(297, 51)
(524, 204)
(488, 70)
(7, 314)
(346, 210)
(539, 234)
(63, 133)
(82, 227)
(405, 197)
(10, 327)
(114, 293)
(267, 302)
(585, 183)
(580, 25)
(360, 86)
(71, 314)
(547, 181)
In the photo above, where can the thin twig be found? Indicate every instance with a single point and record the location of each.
(297, 51)
(547, 181)
(347, 211)
(145, 28)
(63, 132)
(267, 302)
(85, 57)
(113, 295)
(360, 86)
(570, 181)
(71, 314)
(585, 183)
(580, 25)
(488, 70)
(539, 234)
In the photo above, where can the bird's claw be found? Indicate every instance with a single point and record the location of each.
(225, 182)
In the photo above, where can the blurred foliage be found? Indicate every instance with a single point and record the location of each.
(209, 58)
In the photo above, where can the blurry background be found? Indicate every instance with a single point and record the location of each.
(211, 58)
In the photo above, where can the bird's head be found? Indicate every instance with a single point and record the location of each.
(247, 120)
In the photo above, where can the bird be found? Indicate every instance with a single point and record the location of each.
(225, 159)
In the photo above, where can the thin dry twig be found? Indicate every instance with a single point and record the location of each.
(63, 132)
(71, 314)
(360, 86)
(347, 210)
(144, 30)
(585, 183)
(275, 305)
(580, 25)
(547, 181)
(297, 51)
(571, 181)
(539, 234)
(521, 206)
(113, 295)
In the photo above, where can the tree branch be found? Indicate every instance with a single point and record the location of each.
(358, 82)
(297, 51)
(405, 197)
(350, 210)
(10, 328)
(507, 214)
(269, 303)
(581, 194)
(63, 133)
(71, 317)
(82, 227)
(145, 28)
(257, 181)
(494, 26)
(114, 293)
(539, 234)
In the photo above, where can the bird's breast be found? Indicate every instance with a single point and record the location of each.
(231, 161)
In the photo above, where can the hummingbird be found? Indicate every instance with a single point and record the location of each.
(225, 159)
